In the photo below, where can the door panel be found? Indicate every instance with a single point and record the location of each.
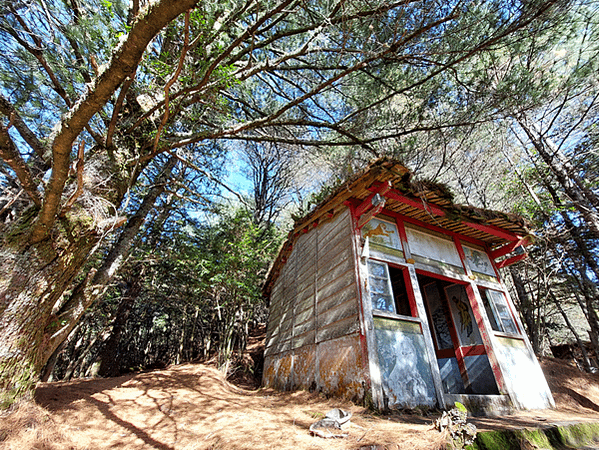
(403, 361)
(405, 369)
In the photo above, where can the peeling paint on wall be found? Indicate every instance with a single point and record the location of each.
(313, 339)
(341, 369)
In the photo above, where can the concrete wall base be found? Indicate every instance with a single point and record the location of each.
(481, 405)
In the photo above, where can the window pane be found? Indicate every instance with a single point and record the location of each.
(382, 303)
(490, 313)
(503, 313)
(378, 283)
(377, 270)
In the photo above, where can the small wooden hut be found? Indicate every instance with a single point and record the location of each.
(391, 292)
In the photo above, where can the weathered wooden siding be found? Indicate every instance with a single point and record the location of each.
(313, 337)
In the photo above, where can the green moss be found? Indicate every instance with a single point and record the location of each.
(16, 234)
(18, 384)
(556, 437)
(574, 435)
(495, 440)
(368, 401)
(536, 437)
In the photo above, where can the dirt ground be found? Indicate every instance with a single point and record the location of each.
(191, 406)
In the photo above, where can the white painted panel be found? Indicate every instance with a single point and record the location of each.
(478, 261)
(433, 247)
(523, 374)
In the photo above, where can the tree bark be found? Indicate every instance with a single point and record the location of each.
(32, 280)
(77, 365)
(574, 231)
(583, 199)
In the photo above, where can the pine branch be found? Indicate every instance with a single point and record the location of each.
(28, 136)
(125, 59)
(9, 153)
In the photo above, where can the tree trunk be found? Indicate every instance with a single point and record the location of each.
(49, 368)
(526, 309)
(77, 364)
(585, 356)
(44, 251)
(589, 291)
(573, 230)
(583, 199)
(33, 279)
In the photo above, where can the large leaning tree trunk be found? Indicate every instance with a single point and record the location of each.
(95, 285)
(255, 70)
(43, 252)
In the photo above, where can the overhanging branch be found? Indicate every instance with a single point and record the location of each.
(13, 158)
(125, 59)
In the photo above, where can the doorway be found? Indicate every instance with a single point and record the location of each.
(406, 377)
(461, 355)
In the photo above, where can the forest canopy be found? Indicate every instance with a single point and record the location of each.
(123, 125)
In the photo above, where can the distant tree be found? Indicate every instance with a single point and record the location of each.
(95, 91)
(188, 291)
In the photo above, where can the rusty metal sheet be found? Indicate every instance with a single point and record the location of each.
(304, 368)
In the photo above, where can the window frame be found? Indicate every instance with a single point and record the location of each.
(383, 312)
(488, 300)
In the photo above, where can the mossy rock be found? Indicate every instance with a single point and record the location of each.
(573, 435)
(558, 437)
(492, 440)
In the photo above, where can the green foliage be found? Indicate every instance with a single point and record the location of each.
(234, 258)
(460, 407)
(200, 294)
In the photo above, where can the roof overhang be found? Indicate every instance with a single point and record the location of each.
(425, 202)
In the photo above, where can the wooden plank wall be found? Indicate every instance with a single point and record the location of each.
(313, 338)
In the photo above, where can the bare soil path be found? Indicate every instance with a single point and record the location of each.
(191, 406)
